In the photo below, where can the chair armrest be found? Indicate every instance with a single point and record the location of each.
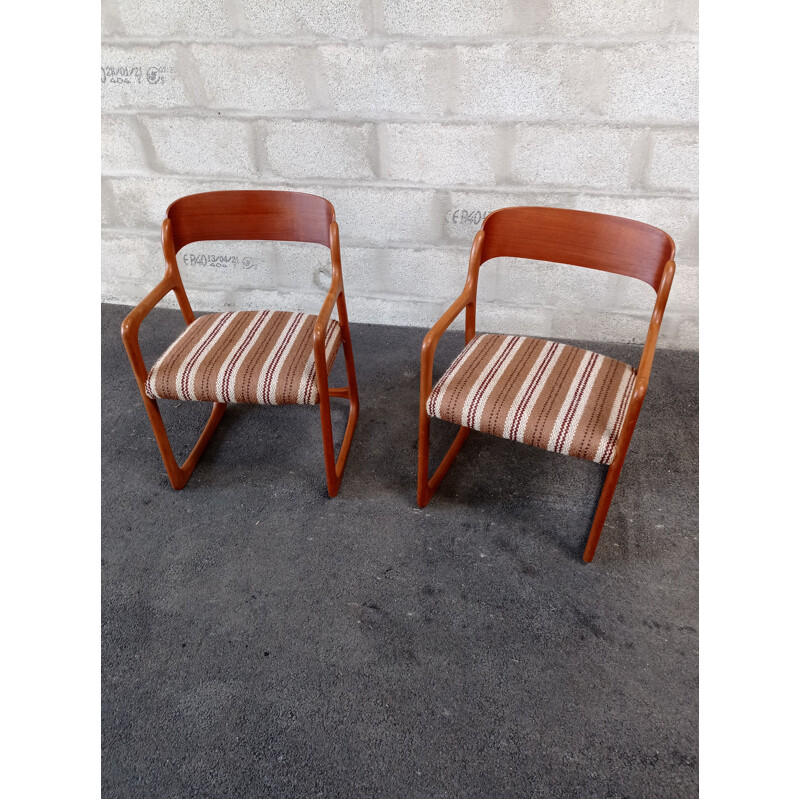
(465, 300)
(131, 323)
(646, 361)
(337, 287)
(431, 340)
(324, 316)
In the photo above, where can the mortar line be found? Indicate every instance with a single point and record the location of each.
(322, 115)
(434, 42)
(338, 183)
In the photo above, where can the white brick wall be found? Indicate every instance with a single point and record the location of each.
(320, 18)
(444, 18)
(202, 146)
(441, 155)
(252, 78)
(317, 149)
(593, 156)
(155, 18)
(675, 161)
(138, 77)
(366, 80)
(415, 119)
(525, 80)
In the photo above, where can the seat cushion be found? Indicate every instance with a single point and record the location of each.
(262, 357)
(550, 395)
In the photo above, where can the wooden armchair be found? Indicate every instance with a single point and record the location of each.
(560, 398)
(265, 357)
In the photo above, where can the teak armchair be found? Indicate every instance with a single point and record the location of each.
(554, 396)
(265, 357)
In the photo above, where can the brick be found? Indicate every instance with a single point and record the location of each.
(637, 295)
(396, 79)
(108, 208)
(651, 82)
(299, 267)
(573, 155)
(537, 284)
(437, 274)
(504, 318)
(685, 291)
(618, 18)
(594, 325)
(110, 24)
(525, 81)
(252, 78)
(201, 145)
(677, 216)
(443, 18)
(121, 148)
(441, 155)
(675, 161)
(133, 260)
(268, 18)
(362, 270)
(688, 15)
(184, 18)
(142, 77)
(316, 149)
(385, 216)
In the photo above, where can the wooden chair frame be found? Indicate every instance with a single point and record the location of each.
(286, 216)
(622, 246)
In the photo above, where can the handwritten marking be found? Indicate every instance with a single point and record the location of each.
(464, 216)
(217, 261)
(134, 74)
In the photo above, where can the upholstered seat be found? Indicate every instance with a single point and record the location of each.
(550, 395)
(261, 357)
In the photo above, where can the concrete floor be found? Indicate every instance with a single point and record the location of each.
(263, 640)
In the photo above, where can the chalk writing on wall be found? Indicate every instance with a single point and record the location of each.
(134, 74)
(217, 261)
(465, 216)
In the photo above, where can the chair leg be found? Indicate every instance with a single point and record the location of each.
(426, 488)
(334, 468)
(612, 476)
(179, 475)
(610, 484)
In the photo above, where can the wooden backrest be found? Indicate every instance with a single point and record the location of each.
(582, 238)
(259, 214)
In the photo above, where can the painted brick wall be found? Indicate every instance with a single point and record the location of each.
(415, 119)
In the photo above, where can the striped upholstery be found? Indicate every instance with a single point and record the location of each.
(262, 357)
(550, 395)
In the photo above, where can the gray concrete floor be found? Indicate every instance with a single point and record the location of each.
(263, 640)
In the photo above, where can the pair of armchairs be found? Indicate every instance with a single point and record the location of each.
(554, 396)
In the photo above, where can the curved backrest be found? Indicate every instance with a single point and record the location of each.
(258, 214)
(582, 238)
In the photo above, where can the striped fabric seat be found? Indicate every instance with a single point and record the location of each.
(261, 357)
(550, 395)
